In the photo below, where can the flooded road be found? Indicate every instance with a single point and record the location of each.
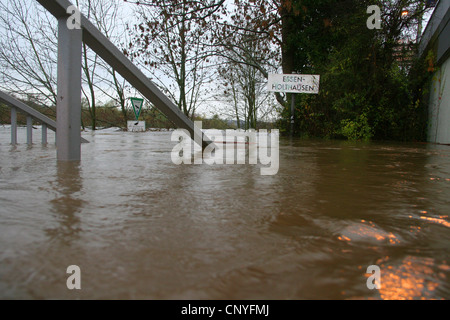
(140, 227)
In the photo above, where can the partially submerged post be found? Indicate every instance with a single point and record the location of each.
(68, 104)
(292, 113)
(29, 130)
(13, 126)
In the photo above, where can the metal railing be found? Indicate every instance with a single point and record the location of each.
(69, 84)
(31, 114)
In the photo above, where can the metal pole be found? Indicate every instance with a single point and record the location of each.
(29, 130)
(292, 113)
(13, 126)
(68, 105)
(44, 134)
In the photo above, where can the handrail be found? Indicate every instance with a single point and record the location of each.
(31, 114)
(102, 46)
(12, 102)
(69, 47)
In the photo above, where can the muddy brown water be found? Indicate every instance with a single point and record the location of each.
(140, 227)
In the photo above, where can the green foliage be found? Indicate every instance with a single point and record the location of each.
(369, 89)
(357, 130)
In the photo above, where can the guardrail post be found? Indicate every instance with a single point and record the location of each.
(29, 130)
(44, 134)
(13, 126)
(68, 107)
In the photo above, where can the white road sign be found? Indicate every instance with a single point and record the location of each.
(294, 83)
(134, 126)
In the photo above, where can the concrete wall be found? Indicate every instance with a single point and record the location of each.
(438, 22)
(439, 107)
(437, 39)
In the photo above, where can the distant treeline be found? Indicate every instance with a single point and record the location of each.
(108, 117)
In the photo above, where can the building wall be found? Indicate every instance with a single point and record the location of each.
(439, 107)
(437, 39)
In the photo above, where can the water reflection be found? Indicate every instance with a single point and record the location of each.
(141, 227)
(364, 201)
(414, 278)
(67, 203)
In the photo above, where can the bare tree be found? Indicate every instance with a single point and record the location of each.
(28, 55)
(245, 85)
(97, 75)
(173, 38)
(255, 24)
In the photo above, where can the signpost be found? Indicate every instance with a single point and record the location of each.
(293, 83)
(136, 126)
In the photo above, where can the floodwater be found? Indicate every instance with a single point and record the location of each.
(140, 227)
